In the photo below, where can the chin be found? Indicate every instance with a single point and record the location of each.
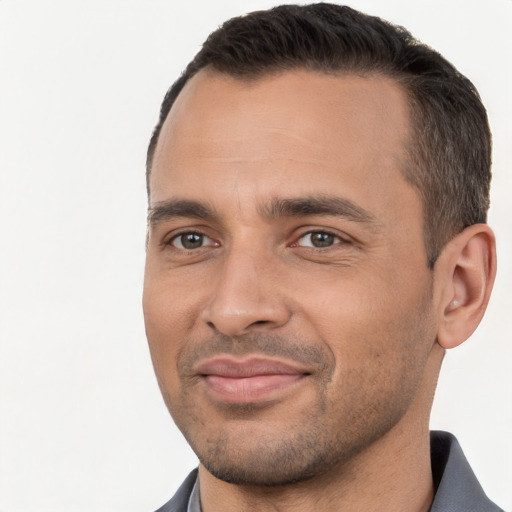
(272, 461)
(269, 473)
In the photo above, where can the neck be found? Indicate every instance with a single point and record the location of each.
(391, 475)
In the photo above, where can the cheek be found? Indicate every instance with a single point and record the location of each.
(166, 317)
(381, 350)
(169, 305)
(370, 319)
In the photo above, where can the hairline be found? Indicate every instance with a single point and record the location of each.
(410, 144)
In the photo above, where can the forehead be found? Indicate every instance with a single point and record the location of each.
(290, 131)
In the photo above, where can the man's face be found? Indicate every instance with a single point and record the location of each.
(287, 297)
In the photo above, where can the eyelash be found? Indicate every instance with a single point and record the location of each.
(177, 236)
(338, 239)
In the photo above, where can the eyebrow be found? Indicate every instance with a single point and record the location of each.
(316, 205)
(275, 208)
(175, 208)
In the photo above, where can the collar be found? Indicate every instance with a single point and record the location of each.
(194, 502)
(457, 489)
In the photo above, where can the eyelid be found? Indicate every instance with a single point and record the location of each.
(341, 238)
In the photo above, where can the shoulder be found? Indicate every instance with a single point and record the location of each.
(179, 502)
(457, 488)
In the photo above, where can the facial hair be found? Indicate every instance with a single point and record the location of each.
(241, 452)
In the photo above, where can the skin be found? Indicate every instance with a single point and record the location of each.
(361, 318)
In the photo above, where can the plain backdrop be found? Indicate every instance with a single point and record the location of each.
(82, 425)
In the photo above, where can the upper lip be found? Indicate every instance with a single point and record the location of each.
(229, 366)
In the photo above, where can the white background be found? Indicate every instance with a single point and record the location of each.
(82, 424)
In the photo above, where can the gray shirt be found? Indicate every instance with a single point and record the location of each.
(457, 489)
(194, 502)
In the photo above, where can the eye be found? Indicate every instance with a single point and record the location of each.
(191, 240)
(318, 239)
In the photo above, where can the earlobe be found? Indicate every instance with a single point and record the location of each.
(465, 271)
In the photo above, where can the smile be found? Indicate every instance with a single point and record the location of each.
(248, 380)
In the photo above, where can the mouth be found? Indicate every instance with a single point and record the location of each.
(251, 379)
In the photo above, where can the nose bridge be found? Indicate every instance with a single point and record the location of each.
(246, 293)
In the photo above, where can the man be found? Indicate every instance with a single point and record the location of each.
(318, 186)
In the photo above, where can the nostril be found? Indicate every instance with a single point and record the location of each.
(234, 317)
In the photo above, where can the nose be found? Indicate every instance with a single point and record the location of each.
(247, 295)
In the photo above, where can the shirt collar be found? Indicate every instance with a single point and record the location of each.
(194, 501)
(457, 488)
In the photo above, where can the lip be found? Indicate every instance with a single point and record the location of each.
(249, 379)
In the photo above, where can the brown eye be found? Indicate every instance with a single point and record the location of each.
(190, 241)
(318, 239)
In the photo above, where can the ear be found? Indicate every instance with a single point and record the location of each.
(465, 274)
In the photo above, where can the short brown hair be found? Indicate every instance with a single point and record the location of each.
(449, 156)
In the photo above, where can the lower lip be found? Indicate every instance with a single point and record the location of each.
(249, 389)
